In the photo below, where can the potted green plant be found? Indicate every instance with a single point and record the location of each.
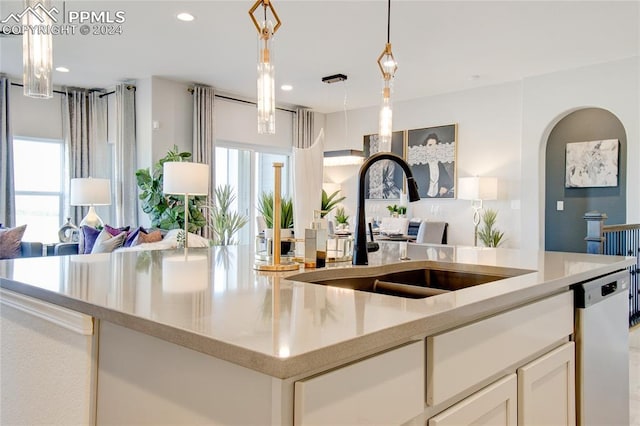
(490, 236)
(167, 211)
(223, 222)
(329, 202)
(342, 219)
(396, 210)
(265, 208)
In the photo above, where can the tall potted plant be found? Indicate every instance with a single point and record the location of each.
(265, 208)
(167, 211)
(223, 222)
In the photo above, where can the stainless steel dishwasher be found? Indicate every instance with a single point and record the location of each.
(602, 357)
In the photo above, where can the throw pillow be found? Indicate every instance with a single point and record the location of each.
(88, 235)
(131, 237)
(116, 231)
(10, 239)
(106, 243)
(194, 239)
(144, 237)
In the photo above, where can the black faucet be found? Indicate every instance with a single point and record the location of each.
(360, 248)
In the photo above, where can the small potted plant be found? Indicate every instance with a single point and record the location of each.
(396, 210)
(342, 219)
(265, 208)
(329, 202)
(490, 236)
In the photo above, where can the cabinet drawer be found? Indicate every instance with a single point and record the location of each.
(461, 358)
(494, 405)
(382, 390)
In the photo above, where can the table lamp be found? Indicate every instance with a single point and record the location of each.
(185, 178)
(91, 192)
(477, 189)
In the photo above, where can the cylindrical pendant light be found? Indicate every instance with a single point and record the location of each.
(266, 73)
(37, 51)
(388, 67)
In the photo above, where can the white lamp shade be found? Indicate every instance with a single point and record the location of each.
(185, 178)
(90, 192)
(478, 188)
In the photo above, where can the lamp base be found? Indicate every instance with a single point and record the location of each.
(92, 219)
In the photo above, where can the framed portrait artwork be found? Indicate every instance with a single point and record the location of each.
(384, 179)
(431, 154)
(591, 164)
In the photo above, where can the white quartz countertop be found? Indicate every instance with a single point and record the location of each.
(213, 301)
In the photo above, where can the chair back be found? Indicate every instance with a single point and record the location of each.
(394, 225)
(432, 232)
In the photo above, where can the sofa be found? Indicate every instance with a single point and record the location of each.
(30, 249)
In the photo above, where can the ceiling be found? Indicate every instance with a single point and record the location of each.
(440, 46)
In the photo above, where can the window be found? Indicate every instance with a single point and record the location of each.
(250, 173)
(39, 179)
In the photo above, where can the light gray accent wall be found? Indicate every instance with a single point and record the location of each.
(565, 230)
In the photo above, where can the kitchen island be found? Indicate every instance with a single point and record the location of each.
(201, 338)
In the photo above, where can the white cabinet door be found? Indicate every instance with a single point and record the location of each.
(386, 389)
(494, 405)
(546, 389)
(47, 368)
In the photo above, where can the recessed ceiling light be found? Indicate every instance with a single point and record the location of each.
(62, 69)
(286, 87)
(186, 17)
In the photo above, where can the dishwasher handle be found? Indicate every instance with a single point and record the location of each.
(591, 292)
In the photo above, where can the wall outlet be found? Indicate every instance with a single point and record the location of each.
(559, 205)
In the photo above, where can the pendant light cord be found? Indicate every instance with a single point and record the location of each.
(388, 21)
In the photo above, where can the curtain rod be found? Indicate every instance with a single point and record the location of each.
(229, 98)
(129, 87)
(22, 85)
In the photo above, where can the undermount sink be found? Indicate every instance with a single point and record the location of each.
(416, 283)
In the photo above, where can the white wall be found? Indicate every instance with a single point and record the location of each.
(489, 126)
(143, 123)
(172, 110)
(614, 86)
(502, 132)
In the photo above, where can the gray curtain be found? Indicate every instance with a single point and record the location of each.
(303, 131)
(204, 137)
(87, 153)
(7, 187)
(124, 182)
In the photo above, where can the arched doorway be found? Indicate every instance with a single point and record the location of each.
(564, 207)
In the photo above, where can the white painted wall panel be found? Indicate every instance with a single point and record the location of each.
(46, 369)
